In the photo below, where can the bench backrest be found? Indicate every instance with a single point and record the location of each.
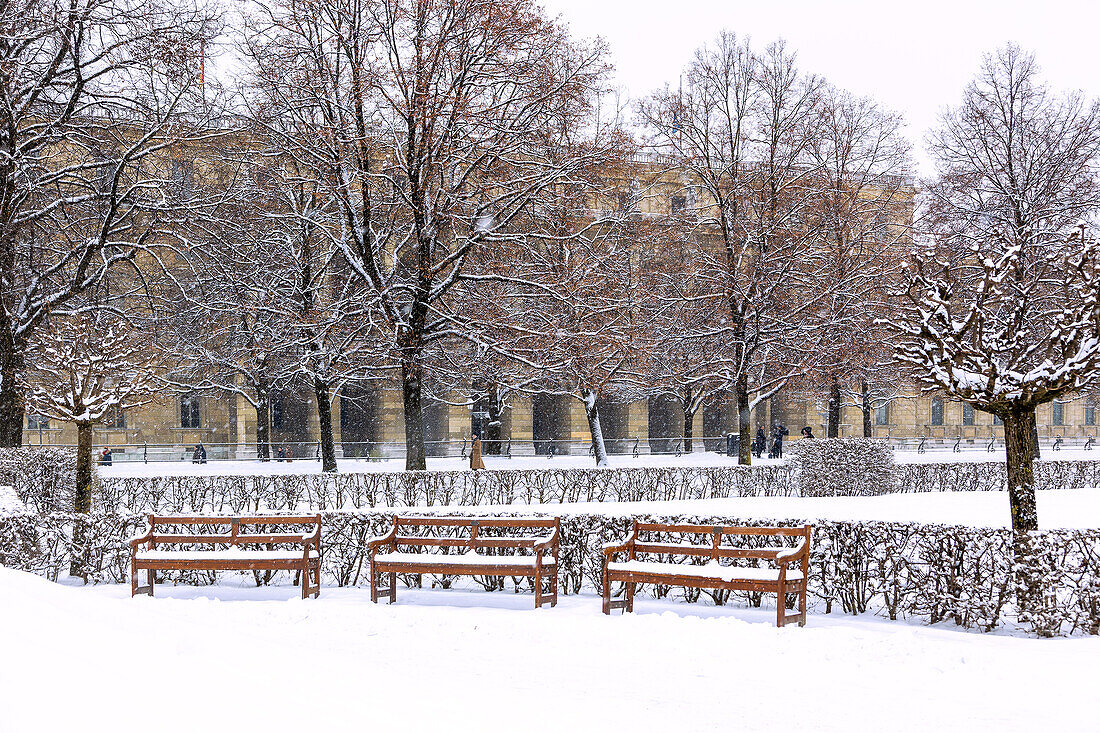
(235, 536)
(714, 549)
(473, 538)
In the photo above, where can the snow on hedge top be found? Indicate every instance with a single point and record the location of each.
(843, 467)
(10, 505)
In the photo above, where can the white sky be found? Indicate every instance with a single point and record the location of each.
(914, 57)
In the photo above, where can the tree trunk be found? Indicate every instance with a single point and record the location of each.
(263, 428)
(833, 423)
(1035, 439)
(83, 498)
(689, 419)
(412, 378)
(494, 431)
(592, 412)
(1019, 427)
(744, 429)
(324, 422)
(82, 501)
(865, 394)
(1019, 452)
(11, 398)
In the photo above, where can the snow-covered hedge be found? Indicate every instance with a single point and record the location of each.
(842, 467)
(483, 488)
(436, 488)
(927, 573)
(43, 478)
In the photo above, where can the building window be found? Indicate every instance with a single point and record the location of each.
(882, 415)
(189, 412)
(1090, 413)
(38, 422)
(679, 204)
(968, 413)
(114, 418)
(937, 411)
(1058, 413)
(997, 420)
(277, 413)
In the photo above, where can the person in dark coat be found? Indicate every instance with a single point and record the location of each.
(777, 440)
(808, 432)
(105, 457)
(760, 444)
(199, 454)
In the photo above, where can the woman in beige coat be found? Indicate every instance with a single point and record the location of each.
(475, 454)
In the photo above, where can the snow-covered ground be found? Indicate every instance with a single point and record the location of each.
(698, 458)
(234, 658)
(1067, 508)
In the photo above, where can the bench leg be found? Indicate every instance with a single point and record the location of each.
(554, 588)
(152, 580)
(373, 586)
(606, 594)
(393, 587)
(305, 581)
(538, 589)
(802, 605)
(781, 610)
(133, 581)
(317, 578)
(630, 597)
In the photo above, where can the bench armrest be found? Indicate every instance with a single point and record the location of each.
(312, 536)
(793, 553)
(140, 539)
(610, 549)
(545, 543)
(376, 542)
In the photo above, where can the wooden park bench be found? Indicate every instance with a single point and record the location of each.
(153, 550)
(665, 569)
(541, 565)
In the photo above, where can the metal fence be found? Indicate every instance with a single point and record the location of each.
(291, 452)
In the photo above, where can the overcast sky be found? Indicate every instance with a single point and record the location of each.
(913, 57)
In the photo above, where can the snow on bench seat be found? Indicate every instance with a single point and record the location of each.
(709, 571)
(466, 558)
(232, 553)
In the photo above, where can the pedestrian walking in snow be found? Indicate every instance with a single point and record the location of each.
(760, 443)
(777, 440)
(105, 457)
(475, 454)
(198, 455)
(808, 432)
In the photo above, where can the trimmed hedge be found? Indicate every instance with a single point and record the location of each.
(842, 467)
(927, 573)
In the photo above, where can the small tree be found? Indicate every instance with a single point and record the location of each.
(83, 372)
(1004, 311)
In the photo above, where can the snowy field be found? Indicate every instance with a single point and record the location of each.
(260, 659)
(1063, 508)
(698, 458)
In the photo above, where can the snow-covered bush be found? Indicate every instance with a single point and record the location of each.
(917, 572)
(43, 478)
(842, 467)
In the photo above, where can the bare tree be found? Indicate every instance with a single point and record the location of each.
(1004, 305)
(862, 207)
(740, 131)
(93, 97)
(428, 122)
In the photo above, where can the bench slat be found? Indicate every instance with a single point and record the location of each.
(470, 521)
(243, 519)
(710, 529)
(670, 548)
(465, 541)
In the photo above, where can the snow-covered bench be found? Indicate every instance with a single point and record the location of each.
(672, 564)
(153, 551)
(419, 533)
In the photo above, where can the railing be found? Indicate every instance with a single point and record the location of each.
(632, 446)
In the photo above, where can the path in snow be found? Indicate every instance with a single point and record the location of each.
(698, 458)
(94, 659)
